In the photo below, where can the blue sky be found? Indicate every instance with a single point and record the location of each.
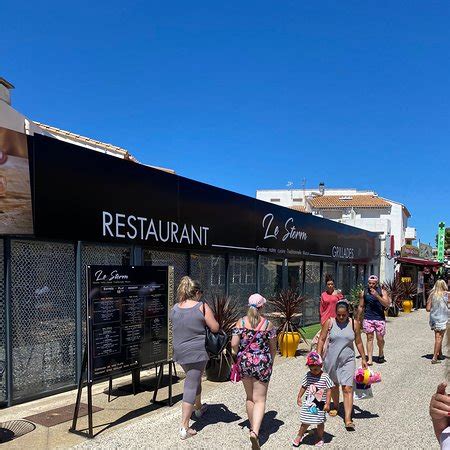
(250, 95)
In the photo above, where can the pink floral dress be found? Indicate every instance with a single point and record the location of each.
(257, 361)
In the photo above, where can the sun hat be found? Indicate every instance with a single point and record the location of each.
(313, 359)
(256, 300)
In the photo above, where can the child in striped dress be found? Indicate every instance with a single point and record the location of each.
(317, 386)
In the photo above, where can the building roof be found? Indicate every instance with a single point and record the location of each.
(298, 208)
(110, 148)
(345, 201)
(405, 209)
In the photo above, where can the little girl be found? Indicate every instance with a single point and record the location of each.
(317, 386)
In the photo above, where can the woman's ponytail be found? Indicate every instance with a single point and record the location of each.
(253, 315)
(187, 289)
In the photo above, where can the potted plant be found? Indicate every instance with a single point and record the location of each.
(409, 289)
(394, 288)
(286, 307)
(226, 312)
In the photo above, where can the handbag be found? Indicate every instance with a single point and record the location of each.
(215, 342)
(235, 372)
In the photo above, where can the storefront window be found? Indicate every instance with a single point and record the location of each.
(328, 269)
(242, 278)
(361, 275)
(312, 279)
(344, 278)
(271, 276)
(353, 275)
(295, 275)
(375, 270)
(210, 271)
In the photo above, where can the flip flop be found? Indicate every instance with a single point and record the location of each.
(350, 426)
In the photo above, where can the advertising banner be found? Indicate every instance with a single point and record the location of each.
(441, 242)
(81, 194)
(425, 251)
(15, 192)
(409, 251)
(127, 321)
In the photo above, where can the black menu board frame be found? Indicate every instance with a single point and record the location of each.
(127, 318)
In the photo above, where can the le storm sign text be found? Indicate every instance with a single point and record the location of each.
(80, 194)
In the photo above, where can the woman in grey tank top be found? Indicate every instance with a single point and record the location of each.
(339, 361)
(189, 318)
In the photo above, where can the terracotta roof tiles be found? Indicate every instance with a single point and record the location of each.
(345, 201)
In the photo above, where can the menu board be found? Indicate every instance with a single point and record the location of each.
(127, 317)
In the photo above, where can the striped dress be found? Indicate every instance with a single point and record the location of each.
(315, 397)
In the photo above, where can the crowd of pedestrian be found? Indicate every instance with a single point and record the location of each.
(331, 364)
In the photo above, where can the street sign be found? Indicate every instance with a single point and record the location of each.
(441, 241)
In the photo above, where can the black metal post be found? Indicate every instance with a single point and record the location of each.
(80, 388)
(90, 424)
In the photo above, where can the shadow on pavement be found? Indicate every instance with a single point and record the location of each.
(359, 413)
(363, 414)
(311, 437)
(269, 426)
(131, 415)
(216, 413)
(430, 357)
(147, 384)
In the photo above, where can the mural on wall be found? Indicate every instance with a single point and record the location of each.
(15, 192)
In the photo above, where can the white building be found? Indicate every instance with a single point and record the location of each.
(361, 209)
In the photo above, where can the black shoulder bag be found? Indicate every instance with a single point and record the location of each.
(214, 342)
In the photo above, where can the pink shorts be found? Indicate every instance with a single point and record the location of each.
(374, 326)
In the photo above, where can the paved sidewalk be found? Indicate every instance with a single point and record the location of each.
(396, 418)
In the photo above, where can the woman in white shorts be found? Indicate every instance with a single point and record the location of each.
(437, 306)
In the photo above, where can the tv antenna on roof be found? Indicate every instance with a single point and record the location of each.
(289, 185)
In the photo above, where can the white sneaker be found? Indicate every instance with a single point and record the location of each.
(199, 412)
(186, 433)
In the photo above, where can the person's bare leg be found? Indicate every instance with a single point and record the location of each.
(301, 432)
(369, 348)
(347, 392)
(186, 413)
(249, 402)
(335, 397)
(259, 408)
(380, 343)
(442, 339)
(320, 431)
(437, 344)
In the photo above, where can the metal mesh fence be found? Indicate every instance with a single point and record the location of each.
(43, 316)
(270, 276)
(178, 260)
(99, 255)
(2, 327)
(310, 308)
(210, 271)
(242, 279)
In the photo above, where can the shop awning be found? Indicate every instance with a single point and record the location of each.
(418, 261)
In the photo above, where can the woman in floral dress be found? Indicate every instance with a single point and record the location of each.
(255, 361)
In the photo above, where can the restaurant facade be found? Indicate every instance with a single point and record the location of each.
(76, 207)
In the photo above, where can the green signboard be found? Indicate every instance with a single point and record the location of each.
(441, 241)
